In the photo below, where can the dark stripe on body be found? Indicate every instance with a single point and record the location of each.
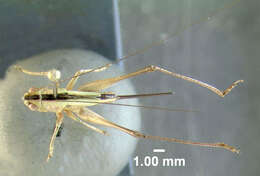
(65, 97)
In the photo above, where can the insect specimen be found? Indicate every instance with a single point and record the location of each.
(74, 102)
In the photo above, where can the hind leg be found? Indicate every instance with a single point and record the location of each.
(74, 117)
(92, 117)
(105, 83)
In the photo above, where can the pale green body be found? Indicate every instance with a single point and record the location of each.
(87, 99)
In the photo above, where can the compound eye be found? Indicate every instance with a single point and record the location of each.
(32, 107)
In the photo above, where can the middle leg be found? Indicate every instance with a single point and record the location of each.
(79, 73)
(59, 119)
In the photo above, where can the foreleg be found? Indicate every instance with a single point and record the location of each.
(52, 75)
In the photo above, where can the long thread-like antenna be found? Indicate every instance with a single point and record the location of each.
(135, 106)
(163, 41)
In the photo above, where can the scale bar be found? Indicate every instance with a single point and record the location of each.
(158, 150)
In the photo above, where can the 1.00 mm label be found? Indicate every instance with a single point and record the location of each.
(153, 161)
